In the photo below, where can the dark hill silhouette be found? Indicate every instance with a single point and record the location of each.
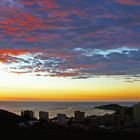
(8, 118)
(114, 107)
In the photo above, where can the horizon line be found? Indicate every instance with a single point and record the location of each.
(69, 100)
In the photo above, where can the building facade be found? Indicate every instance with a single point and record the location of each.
(79, 116)
(136, 113)
(43, 116)
(61, 119)
(27, 114)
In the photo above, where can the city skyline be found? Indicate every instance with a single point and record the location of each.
(61, 50)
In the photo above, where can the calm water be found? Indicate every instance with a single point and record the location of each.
(58, 107)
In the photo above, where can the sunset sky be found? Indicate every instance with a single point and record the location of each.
(70, 50)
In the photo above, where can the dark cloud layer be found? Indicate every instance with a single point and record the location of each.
(70, 38)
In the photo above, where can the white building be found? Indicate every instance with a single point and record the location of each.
(61, 119)
(44, 116)
(136, 113)
(79, 116)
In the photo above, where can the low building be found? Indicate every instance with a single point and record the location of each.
(61, 119)
(79, 116)
(27, 114)
(43, 116)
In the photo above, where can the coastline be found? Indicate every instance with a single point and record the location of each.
(55, 107)
(16, 125)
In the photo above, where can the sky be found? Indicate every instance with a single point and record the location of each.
(70, 50)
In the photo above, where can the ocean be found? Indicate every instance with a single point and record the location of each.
(58, 107)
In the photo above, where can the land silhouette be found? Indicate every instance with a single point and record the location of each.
(9, 127)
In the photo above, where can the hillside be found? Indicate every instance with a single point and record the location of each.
(114, 107)
(8, 118)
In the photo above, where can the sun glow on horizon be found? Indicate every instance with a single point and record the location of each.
(28, 87)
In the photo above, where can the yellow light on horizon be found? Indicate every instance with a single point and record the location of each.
(29, 87)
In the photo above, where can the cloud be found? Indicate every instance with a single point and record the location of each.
(78, 39)
(105, 53)
(84, 64)
(10, 3)
(129, 2)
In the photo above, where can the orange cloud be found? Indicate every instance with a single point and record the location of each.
(46, 4)
(13, 52)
